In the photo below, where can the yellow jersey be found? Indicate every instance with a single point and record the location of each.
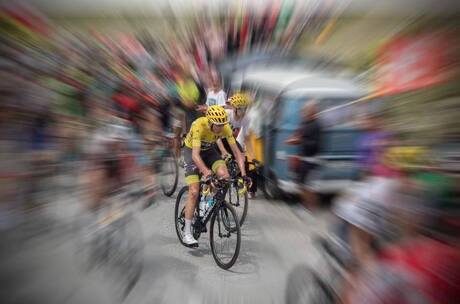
(200, 135)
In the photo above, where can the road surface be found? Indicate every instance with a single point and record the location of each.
(39, 263)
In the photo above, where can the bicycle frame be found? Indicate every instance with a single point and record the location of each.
(219, 199)
(233, 168)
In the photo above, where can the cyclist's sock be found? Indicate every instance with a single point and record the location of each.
(188, 226)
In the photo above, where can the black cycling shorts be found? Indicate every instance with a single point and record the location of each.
(210, 157)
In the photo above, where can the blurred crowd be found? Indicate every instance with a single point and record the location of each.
(395, 231)
(59, 86)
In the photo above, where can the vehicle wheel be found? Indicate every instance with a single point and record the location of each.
(225, 239)
(179, 216)
(270, 188)
(169, 175)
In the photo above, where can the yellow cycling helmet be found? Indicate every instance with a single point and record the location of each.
(217, 115)
(406, 158)
(239, 100)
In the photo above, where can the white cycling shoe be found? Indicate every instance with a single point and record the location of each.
(190, 241)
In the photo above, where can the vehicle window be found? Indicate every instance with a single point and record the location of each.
(290, 113)
(346, 116)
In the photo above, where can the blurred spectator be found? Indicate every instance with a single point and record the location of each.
(215, 95)
(308, 138)
(191, 95)
(386, 284)
(429, 261)
(371, 145)
(362, 212)
(436, 266)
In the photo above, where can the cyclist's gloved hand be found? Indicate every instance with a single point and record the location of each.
(207, 176)
(247, 181)
(242, 189)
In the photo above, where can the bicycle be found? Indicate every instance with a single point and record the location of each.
(165, 164)
(223, 219)
(113, 242)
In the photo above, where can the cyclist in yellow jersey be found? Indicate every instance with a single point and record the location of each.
(201, 153)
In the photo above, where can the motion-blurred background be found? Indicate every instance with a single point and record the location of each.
(380, 77)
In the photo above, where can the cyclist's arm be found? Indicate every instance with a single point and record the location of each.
(239, 157)
(196, 150)
(199, 162)
(236, 151)
(221, 146)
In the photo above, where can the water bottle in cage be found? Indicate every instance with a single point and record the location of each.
(209, 202)
(203, 206)
(203, 201)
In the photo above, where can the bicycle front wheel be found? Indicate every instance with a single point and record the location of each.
(239, 202)
(169, 175)
(225, 236)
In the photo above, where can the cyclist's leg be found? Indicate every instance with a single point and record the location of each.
(192, 179)
(217, 163)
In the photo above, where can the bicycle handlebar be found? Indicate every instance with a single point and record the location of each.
(219, 183)
(215, 181)
(254, 162)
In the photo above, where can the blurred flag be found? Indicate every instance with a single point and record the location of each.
(408, 63)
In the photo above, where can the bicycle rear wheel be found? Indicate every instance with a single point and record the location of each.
(225, 239)
(179, 216)
(169, 174)
(239, 202)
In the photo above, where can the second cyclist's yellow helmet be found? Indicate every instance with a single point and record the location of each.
(217, 115)
(239, 100)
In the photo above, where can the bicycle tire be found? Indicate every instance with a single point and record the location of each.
(178, 214)
(270, 187)
(237, 230)
(243, 215)
(170, 191)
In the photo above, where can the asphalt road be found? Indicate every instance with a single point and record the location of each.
(39, 262)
